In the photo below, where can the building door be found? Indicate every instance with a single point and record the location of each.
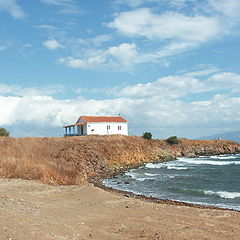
(81, 129)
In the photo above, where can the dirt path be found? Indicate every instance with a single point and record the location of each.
(33, 211)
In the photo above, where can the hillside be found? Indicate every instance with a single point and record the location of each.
(234, 136)
(75, 160)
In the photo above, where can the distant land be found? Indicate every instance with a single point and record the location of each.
(235, 136)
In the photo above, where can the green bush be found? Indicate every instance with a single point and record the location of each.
(173, 140)
(4, 132)
(147, 135)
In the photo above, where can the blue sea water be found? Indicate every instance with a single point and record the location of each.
(206, 180)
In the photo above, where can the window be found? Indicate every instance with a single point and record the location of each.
(108, 127)
(119, 127)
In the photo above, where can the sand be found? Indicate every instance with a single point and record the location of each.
(30, 210)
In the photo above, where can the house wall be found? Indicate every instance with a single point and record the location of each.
(101, 128)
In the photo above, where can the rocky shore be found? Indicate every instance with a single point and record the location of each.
(77, 160)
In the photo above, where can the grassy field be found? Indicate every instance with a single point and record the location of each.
(75, 160)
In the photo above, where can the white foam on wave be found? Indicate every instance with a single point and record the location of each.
(223, 157)
(224, 194)
(151, 174)
(208, 162)
(131, 174)
(169, 165)
(176, 168)
(155, 165)
(141, 179)
(138, 177)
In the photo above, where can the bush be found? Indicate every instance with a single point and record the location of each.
(4, 132)
(147, 135)
(173, 140)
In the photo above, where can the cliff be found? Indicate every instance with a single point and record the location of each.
(75, 160)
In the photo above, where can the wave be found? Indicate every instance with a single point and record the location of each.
(176, 168)
(141, 179)
(208, 162)
(151, 174)
(138, 177)
(223, 194)
(155, 165)
(223, 157)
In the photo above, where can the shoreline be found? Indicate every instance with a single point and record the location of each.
(158, 200)
(99, 183)
(76, 160)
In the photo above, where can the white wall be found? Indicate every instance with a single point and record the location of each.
(101, 128)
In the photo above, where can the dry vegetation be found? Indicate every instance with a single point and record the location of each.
(75, 160)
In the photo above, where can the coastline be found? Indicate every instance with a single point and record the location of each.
(78, 160)
(69, 206)
(157, 200)
(99, 183)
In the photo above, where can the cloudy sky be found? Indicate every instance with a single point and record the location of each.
(170, 67)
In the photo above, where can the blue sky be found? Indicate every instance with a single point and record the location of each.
(170, 67)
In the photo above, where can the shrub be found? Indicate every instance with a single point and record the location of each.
(147, 135)
(4, 132)
(173, 140)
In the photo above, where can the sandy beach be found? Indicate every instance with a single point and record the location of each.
(32, 210)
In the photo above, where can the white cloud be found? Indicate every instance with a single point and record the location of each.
(136, 3)
(2, 48)
(96, 41)
(159, 106)
(123, 55)
(52, 44)
(205, 72)
(229, 8)
(58, 2)
(173, 49)
(170, 87)
(170, 25)
(47, 27)
(157, 33)
(225, 80)
(13, 8)
(66, 6)
(174, 87)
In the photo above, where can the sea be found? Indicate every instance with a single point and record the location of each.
(204, 180)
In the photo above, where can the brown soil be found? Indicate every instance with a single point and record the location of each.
(33, 211)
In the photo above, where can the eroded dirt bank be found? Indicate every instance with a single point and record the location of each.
(76, 160)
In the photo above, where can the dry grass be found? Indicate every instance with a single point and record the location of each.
(74, 160)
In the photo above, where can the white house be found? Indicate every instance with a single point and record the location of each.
(92, 125)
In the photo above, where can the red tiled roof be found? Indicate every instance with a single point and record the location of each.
(103, 119)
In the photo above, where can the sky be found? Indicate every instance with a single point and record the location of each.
(170, 67)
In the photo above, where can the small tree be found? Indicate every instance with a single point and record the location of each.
(173, 140)
(147, 135)
(4, 132)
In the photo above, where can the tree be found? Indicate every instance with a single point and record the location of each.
(173, 140)
(4, 132)
(147, 135)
